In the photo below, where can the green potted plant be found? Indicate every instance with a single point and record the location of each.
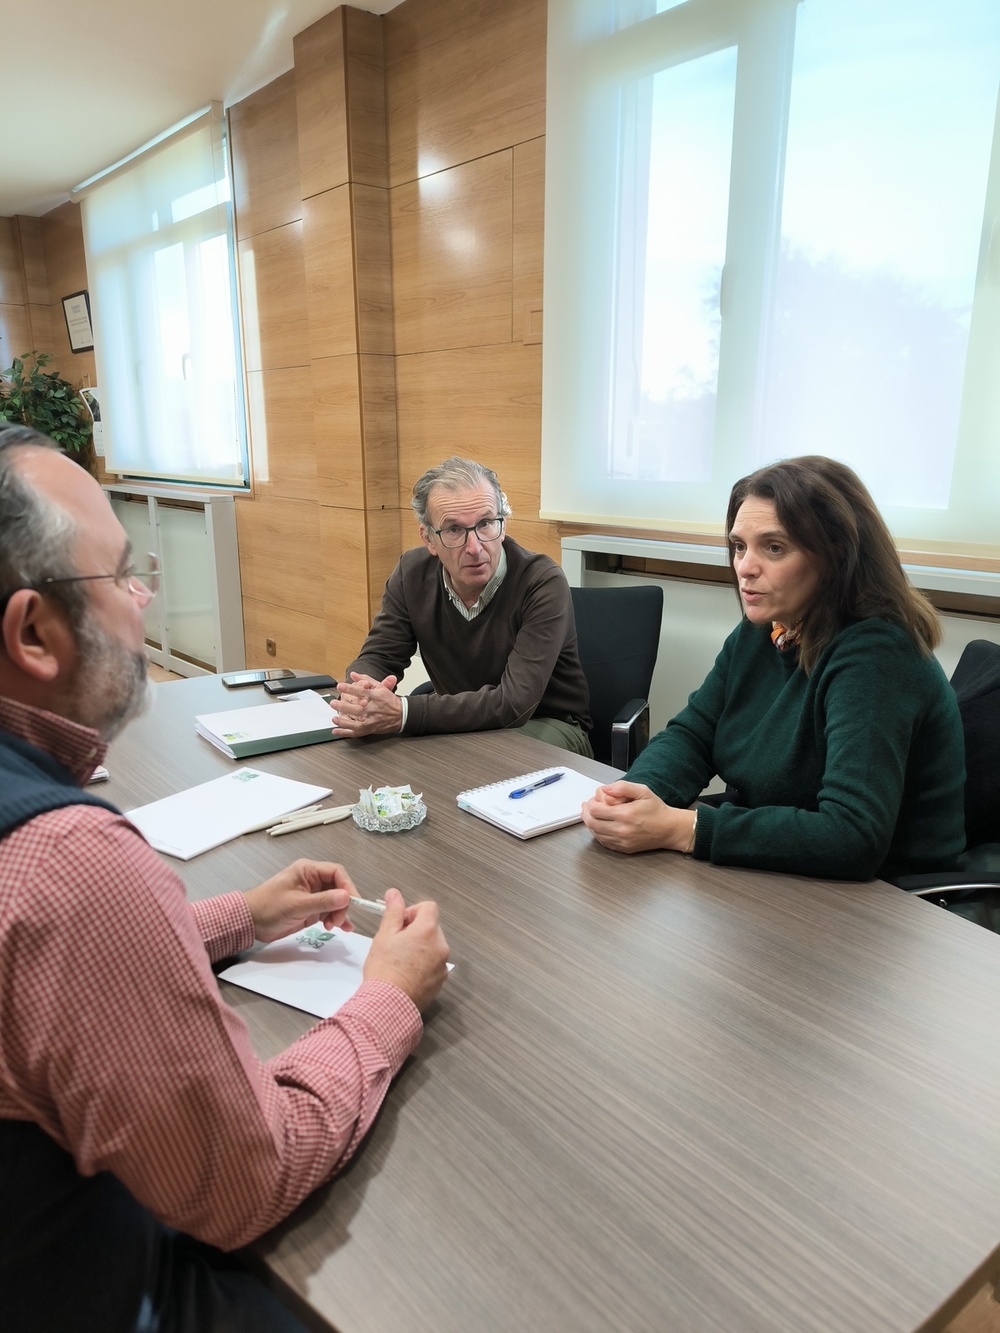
(33, 396)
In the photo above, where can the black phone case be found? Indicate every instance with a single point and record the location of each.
(297, 683)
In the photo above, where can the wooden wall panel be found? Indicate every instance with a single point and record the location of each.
(33, 256)
(529, 236)
(12, 289)
(329, 268)
(278, 541)
(283, 450)
(483, 402)
(298, 635)
(343, 552)
(66, 268)
(322, 108)
(384, 537)
(365, 91)
(41, 329)
(536, 535)
(373, 268)
(15, 333)
(464, 78)
(273, 285)
(264, 137)
(378, 420)
(337, 417)
(65, 258)
(355, 427)
(452, 242)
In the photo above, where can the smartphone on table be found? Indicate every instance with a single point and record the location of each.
(234, 679)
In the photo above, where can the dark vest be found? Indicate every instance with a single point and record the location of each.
(77, 1253)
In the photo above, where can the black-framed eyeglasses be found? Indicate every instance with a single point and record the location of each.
(142, 584)
(487, 530)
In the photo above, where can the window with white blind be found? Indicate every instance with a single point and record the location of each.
(158, 238)
(773, 228)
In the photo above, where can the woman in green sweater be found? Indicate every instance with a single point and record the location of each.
(826, 713)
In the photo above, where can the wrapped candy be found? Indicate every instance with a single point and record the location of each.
(389, 809)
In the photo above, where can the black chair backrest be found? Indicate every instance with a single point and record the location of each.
(618, 634)
(976, 682)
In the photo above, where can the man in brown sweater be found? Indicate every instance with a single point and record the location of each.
(493, 624)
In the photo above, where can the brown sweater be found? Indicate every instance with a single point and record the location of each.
(516, 660)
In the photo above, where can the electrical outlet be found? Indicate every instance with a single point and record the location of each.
(272, 647)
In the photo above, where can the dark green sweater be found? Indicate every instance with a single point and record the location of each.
(852, 772)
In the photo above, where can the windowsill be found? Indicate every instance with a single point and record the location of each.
(175, 490)
(705, 561)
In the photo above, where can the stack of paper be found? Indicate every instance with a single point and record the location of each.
(304, 720)
(202, 817)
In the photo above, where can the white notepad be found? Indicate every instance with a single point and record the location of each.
(242, 732)
(540, 811)
(193, 821)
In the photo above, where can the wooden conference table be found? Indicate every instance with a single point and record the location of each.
(653, 1095)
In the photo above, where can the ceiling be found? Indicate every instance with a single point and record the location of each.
(85, 84)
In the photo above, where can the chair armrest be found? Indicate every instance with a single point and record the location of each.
(629, 733)
(950, 881)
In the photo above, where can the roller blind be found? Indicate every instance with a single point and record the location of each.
(773, 228)
(158, 238)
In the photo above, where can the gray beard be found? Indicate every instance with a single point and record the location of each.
(112, 684)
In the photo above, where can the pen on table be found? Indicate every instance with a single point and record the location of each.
(312, 820)
(534, 786)
(283, 819)
(373, 905)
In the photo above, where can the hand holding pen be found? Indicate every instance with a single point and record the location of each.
(301, 895)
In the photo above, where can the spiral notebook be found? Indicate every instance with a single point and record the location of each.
(539, 811)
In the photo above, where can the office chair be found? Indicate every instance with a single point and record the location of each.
(973, 890)
(618, 634)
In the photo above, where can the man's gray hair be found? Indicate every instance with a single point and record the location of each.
(35, 533)
(455, 474)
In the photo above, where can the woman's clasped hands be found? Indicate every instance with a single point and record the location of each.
(628, 817)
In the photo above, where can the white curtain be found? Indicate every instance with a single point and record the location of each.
(159, 262)
(773, 228)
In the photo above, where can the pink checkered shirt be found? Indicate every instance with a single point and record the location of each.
(114, 1039)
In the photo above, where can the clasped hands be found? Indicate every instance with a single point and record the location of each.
(628, 817)
(367, 707)
(409, 951)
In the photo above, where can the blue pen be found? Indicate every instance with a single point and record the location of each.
(542, 782)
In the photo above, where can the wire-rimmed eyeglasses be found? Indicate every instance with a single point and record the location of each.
(487, 530)
(142, 584)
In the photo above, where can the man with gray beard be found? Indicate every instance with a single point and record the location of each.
(140, 1136)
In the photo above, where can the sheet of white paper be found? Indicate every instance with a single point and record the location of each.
(193, 821)
(315, 970)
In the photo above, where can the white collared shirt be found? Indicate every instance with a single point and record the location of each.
(485, 597)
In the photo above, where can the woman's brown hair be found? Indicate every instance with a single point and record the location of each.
(826, 509)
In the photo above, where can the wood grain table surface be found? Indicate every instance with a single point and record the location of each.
(654, 1094)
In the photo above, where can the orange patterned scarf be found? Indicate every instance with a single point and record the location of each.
(783, 638)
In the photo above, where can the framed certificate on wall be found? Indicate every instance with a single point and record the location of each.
(76, 311)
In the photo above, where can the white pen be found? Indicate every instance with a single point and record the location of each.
(284, 819)
(373, 905)
(311, 821)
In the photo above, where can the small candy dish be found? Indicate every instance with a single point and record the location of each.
(389, 809)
